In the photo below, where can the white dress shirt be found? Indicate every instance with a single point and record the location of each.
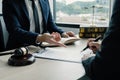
(30, 11)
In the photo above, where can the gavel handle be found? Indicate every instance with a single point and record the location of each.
(6, 53)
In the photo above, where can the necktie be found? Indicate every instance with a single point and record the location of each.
(36, 18)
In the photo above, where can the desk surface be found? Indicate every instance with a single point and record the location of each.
(44, 69)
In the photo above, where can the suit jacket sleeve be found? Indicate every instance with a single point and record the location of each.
(51, 26)
(104, 65)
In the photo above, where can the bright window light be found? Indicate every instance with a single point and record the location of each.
(83, 12)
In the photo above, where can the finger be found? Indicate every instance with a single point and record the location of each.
(93, 43)
(62, 45)
(53, 34)
(56, 36)
(66, 35)
(52, 41)
(71, 34)
(91, 40)
(95, 50)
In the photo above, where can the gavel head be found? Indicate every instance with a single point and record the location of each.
(21, 51)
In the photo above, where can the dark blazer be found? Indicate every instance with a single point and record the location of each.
(106, 64)
(17, 21)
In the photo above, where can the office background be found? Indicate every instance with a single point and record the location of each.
(80, 12)
(70, 15)
(44, 67)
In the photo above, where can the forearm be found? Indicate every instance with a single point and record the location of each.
(24, 36)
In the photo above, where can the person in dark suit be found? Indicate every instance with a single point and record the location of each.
(105, 64)
(19, 21)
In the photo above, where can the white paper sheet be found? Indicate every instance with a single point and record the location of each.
(64, 54)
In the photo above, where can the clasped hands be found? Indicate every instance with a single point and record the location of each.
(54, 38)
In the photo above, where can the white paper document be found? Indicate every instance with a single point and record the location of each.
(64, 54)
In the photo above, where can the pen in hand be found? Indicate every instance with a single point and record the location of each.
(98, 38)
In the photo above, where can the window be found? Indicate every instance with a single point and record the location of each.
(83, 12)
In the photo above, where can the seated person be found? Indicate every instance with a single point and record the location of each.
(105, 64)
(21, 25)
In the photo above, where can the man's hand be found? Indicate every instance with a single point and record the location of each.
(46, 37)
(56, 36)
(68, 34)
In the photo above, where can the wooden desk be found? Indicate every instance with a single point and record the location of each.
(44, 69)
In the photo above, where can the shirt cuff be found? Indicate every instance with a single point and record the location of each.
(37, 39)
